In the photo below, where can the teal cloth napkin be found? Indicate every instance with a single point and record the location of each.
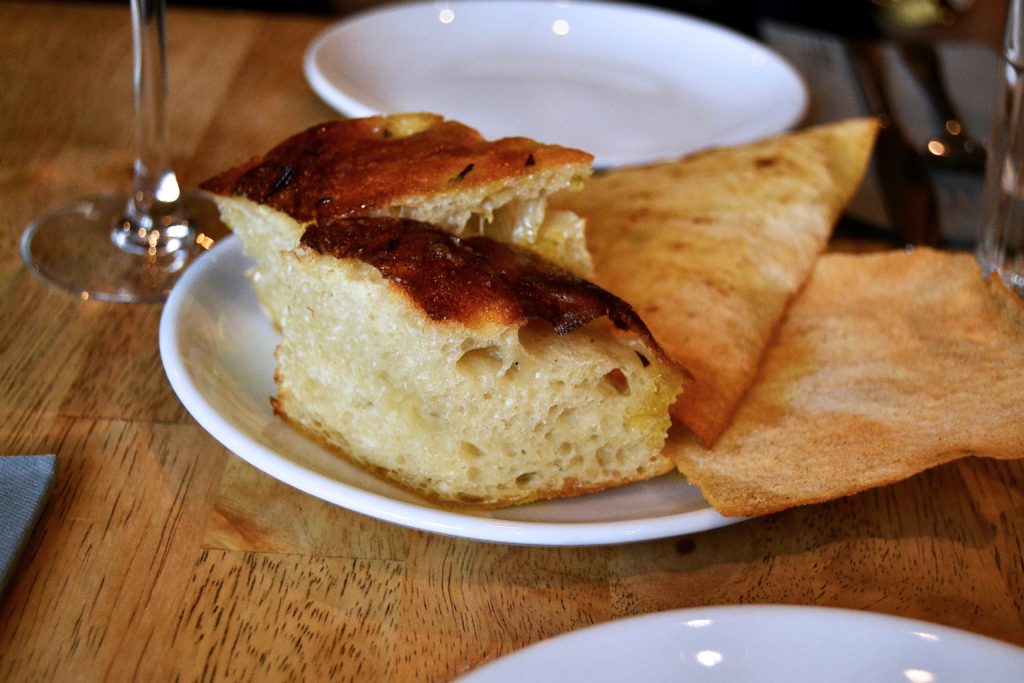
(25, 483)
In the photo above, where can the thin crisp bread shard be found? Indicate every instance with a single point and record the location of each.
(886, 365)
(709, 249)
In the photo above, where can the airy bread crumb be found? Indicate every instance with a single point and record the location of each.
(488, 413)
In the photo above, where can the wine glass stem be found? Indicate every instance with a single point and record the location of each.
(154, 221)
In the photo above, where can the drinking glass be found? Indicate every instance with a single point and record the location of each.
(128, 247)
(1001, 242)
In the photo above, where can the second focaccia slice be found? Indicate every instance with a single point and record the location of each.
(418, 166)
(468, 370)
(709, 249)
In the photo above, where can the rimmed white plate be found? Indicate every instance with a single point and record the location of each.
(627, 83)
(217, 347)
(765, 643)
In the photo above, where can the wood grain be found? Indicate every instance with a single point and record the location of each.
(160, 556)
(118, 541)
(254, 512)
(290, 617)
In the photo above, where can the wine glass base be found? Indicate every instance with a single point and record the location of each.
(73, 248)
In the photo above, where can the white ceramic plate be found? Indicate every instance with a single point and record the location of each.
(766, 644)
(628, 84)
(217, 347)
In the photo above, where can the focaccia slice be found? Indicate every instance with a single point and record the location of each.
(468, 370)
(417, 166)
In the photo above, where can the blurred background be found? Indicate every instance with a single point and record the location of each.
(962, 19)
(921, 66)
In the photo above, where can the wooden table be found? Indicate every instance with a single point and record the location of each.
(162, 556)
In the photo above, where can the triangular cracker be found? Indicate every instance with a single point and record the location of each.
(710, 248)
(885, 365)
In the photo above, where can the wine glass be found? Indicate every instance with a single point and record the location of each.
(129, 247)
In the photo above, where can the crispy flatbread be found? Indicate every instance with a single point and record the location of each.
(885, 365)
(710, 248)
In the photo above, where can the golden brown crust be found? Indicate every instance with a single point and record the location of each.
(360, 165)
(475, 280)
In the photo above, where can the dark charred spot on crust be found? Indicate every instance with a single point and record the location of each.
(287, 173)
(324, 200)
(765, 162)
(265, 180)
(471, 280)
(462, 174)
(530, 161)
(643, 359)
(386, 133)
